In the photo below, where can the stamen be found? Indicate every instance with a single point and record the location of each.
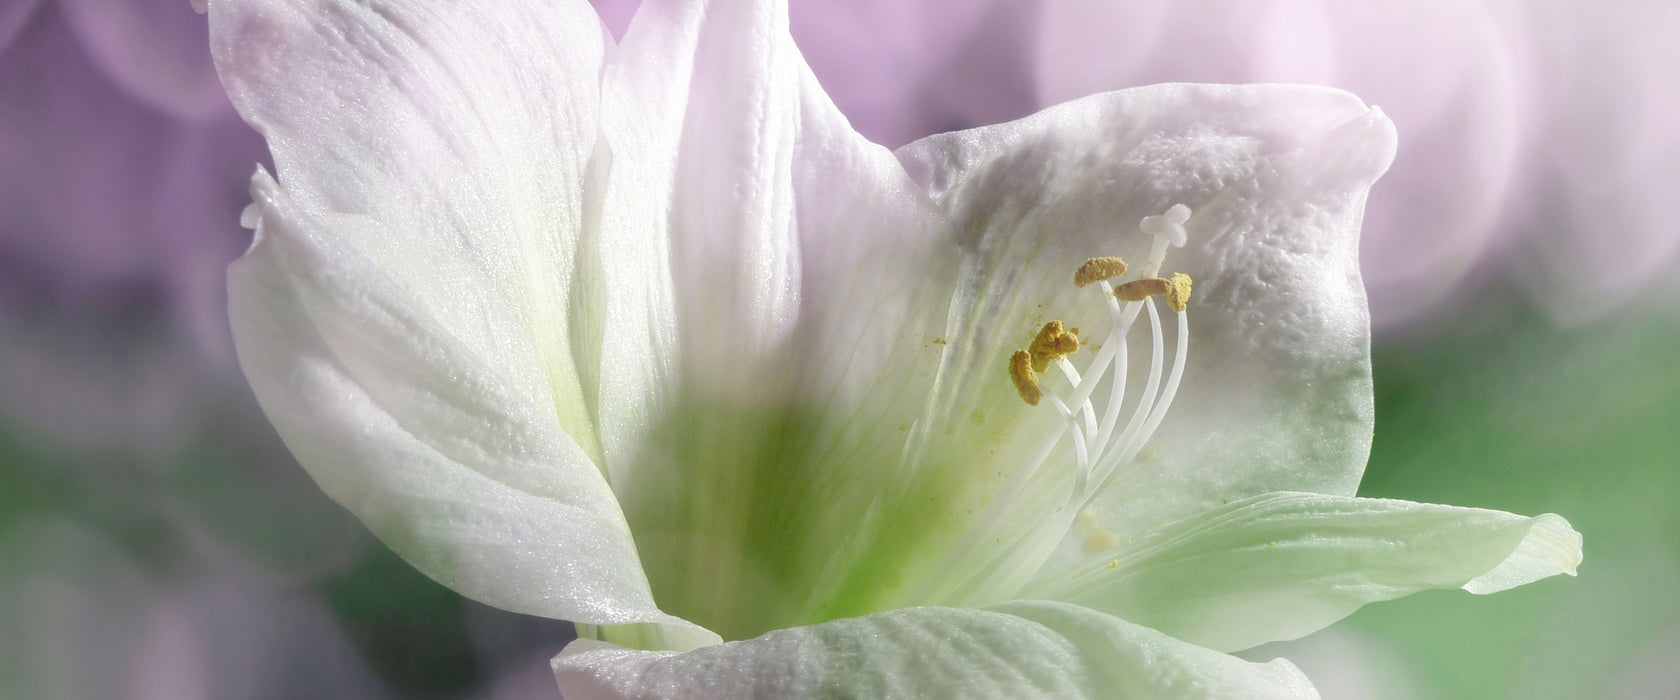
(1086, 410)
(1099, 269)
(1052, 343)
(1180, 352)
(1098, 451)
(1079, 449)
(1146, 400)
(1178, 292)
(1026, 381)
(1138, 290)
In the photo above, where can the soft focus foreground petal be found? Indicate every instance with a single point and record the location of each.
(1283, 565)
(772, 301)
(1018, 649)
(465, 131)
(154, 50)
(447, 455)
(1277, 392)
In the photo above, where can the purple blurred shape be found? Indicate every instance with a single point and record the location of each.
(122, 174)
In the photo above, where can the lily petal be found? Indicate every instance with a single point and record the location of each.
(459, 467)
(466, 131)
(763, 258)
(413, 316)
(1277, 392)
(1018, 649)
(1283, 565)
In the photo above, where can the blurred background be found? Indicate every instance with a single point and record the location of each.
(157, 541)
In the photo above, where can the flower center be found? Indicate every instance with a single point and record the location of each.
(1098, 449)
(1100, 443)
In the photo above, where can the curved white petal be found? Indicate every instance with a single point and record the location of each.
(449, 458)
(1282, 565)
(832, 433)
(1277, 392)
(466, 131)
(764, 261)
(419, 317)
(1018, 649)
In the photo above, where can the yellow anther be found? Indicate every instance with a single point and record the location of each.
(1178, 291)
(1098, 269)
(1052, 342)
(1026, 381)
(1140, 289)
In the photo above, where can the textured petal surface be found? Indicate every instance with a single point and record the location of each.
(448, 458)
(1283, 565)
(1020, 649)
(1276, 393)
(466, 132)
(417, 318)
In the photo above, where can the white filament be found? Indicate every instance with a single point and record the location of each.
(1089, 413)
(1098, 452)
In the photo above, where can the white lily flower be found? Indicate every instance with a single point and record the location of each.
(645, 337)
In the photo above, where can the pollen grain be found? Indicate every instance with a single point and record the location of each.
(1026, 381)
(1053, 341)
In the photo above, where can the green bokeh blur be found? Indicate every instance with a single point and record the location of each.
(1498, 408)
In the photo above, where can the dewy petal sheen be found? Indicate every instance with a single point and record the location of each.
(647, 338)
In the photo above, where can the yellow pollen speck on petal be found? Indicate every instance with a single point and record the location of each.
(1098, 269)
(1178, 291)
(1101, 541)
(1052, 342)
(1140, 289)
(1113, 564)
(1026, 381)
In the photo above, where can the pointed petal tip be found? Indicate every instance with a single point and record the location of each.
(1381, 135)
(1360, 149)
(1551, 547)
